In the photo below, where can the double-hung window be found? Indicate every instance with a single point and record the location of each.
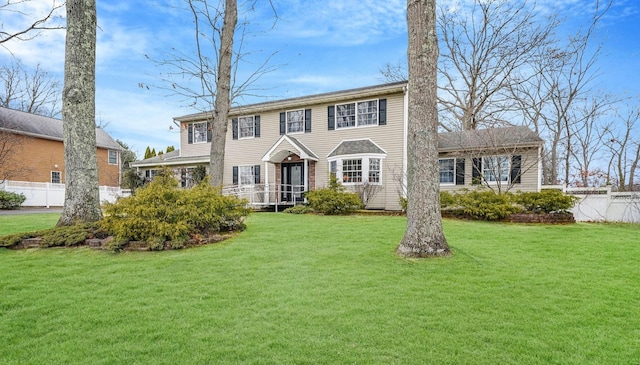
(495, 168)
(246, 126)
(357, 170)
(352, 170)
(113, 157)
(447, 170)
(200, 132)
(246, 175)
(362, 113)
(295, 121)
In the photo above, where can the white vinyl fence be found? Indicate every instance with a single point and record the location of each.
(603, 205)
(52, 195)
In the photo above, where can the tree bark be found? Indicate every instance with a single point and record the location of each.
(424, 235)
(223, 97)
(82, 198)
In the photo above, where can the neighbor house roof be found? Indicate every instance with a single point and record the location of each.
(170, 158)
(19, 122)
(490, 138)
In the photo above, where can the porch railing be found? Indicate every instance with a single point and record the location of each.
(267, 194)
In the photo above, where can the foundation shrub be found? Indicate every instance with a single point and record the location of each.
(298, 209)
(162, 211)
(485, 204)
(546, 201)
(334, 199)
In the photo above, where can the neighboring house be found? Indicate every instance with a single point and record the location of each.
(277, 150)
(32, 150)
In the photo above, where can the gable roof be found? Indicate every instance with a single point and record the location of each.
(304, 101)
(519, 136)
(276, 153)
(357, 147)
(19, 122)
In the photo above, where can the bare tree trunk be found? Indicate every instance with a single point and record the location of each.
(223, 94)
(82, 198)
(424, 236)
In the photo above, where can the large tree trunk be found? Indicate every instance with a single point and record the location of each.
(223, 90)
(424, 236)
(82, 198)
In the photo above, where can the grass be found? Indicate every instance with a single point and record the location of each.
(305, 289)
(27, 222)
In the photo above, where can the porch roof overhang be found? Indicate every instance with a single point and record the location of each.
(363, 146)
(284, 147)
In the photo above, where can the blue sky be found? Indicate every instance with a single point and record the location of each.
(317, 46)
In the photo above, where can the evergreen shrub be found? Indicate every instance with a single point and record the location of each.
(546, 201)
(334, 199)
(162, 211)
(11, 200)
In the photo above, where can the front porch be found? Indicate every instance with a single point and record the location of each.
(265, 196)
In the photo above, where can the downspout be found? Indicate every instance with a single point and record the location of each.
(405, 134)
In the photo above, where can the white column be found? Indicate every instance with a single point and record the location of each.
(266, 182)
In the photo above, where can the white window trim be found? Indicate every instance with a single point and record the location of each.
(365, 167)
(253, 128)
(253, 176)
(357, 124)
(194, 141)
(496, 181)
(454, 171)
(109, 157)
(51, 177)
(286, 121)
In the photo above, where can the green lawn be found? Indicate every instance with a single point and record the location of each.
(329, 290)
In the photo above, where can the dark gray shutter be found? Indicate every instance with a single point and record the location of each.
(256, 173)
(209, 132)
(460, 171)
(190, 138)
(476, 172)
(382, 112)
(516, 169)
(234, 127)
(331, 113)
(283, 123)
(307, 120)
(257, 126)
(235, 175)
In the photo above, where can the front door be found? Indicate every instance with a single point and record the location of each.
(292, 182)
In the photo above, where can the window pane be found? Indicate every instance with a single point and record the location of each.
(447, 171)
(246, 126)
(199, 132)
(113, 157)
(374, 170)
(368, 113)
(352, 171)
(495, 168)
(346, 115)
(246, 176)
(295, 121)
(56, 177)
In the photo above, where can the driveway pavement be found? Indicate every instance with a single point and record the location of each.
(30, 210)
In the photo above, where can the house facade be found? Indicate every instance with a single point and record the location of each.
(277, 150)
(32, 150)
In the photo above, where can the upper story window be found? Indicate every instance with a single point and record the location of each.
(113, 157)
(245, 127)
(295, 121)
(199, 132)
(357, 114)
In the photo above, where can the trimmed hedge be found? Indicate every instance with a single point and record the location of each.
(334, 199)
